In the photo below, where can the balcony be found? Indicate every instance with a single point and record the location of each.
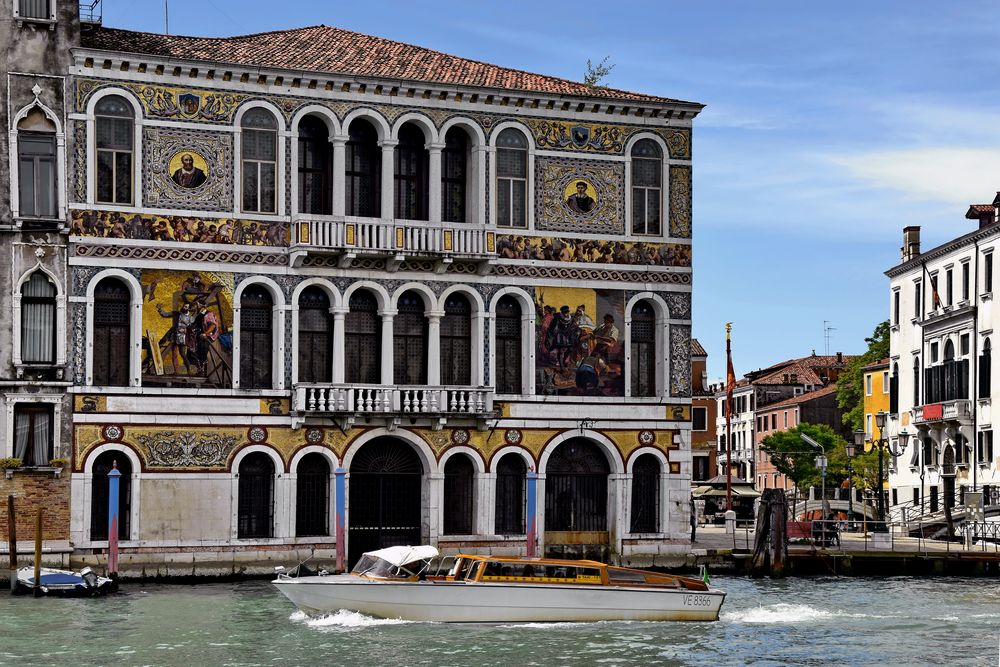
(948, 411)
(395, 241)
(349, 401)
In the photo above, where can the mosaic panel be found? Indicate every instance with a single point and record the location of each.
(590, 137)
(680, 361)
(574, 273)
(593, 251)
(229, 231)
(171, 102)
(579, 196)
(188, 169)
(680, 201)
(78, 188)
(180, 254)
(679, 305)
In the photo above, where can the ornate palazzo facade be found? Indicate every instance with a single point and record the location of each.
(305, 310)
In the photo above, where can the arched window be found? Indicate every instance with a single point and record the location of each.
(409, 338)
(508, 346)
(363, 171)
(410, 174)
(255, 507)
(512, 179)
(510, 509)
(100, 493)
(456, 341)
(647, 181)
(114, 119)
(315, 335)
(646, 494)
(312, 496)
(454, 175)
(576, 487)
(256, 322)
(643, 333)
(315, 160)
(38, 320)
(985, 374)
(459, 474)
(112, 334)
(916, 381)
(894, 390)
(36, 166)
(949, 351)
(259, 161)
(363, 340)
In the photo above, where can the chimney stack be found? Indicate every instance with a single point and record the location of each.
(840, 357)
(911, 243)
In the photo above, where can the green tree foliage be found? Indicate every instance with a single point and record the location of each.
(866, 470)
(851, 384)
(595, 74)
(796, 459)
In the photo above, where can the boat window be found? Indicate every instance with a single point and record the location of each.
(458, 572)
(376, 567)
(625, 576)
(470, 574)
(493, 570)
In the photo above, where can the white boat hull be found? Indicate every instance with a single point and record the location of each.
(442, 601)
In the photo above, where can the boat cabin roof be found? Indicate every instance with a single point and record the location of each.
(399, 556)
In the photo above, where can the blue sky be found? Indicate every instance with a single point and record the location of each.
(828, 128)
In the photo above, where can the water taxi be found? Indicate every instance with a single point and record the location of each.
(402, 582)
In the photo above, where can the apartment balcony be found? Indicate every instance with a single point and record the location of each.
(348, 402)
(394, 241)
(955, 411)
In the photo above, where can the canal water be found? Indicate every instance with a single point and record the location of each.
(799, 621)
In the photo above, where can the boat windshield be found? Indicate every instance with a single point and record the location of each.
(371, 566)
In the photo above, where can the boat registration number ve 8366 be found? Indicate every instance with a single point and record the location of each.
(693, 600)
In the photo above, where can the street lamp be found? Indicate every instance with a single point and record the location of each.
(882, 443)
(821, 464)
(849, 448)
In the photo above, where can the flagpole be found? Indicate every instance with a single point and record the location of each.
(730, 387)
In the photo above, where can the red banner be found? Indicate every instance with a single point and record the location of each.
(934, 411)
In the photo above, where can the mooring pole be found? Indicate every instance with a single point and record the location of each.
(530, 510)
(38, 552)
(12, 541)
(113, 478)
(339, 519)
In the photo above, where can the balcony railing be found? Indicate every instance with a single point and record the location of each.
(374, 237)
(946, 411)
(386, 400)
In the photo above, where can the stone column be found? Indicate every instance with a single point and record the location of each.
(387, 346)
(339, 354)
(434, 346)
(339, 166)
(434, 183)
(388, 180)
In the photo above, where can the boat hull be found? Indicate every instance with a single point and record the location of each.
(441, 601)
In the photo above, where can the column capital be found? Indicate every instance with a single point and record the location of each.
(387, 315)
(388, 143)
(434, 314)
(338, 140)
(434, 147)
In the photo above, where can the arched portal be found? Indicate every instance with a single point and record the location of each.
(576, 487)
(385, 499)
(100, 489)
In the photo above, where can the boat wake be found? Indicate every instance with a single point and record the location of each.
(344, 619)
(789, 613)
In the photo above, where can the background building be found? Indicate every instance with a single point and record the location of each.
(703, 418)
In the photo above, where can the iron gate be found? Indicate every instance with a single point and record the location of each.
(576, 488)
(385, 488)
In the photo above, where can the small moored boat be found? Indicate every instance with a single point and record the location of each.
(398, 582)
(63, 583)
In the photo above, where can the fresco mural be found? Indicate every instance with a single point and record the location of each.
(594, 251)
(115, 225)
(187, 328)
(579, 341)
(574, 195)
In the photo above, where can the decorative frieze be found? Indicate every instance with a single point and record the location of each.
(188, 169)
(593, 251)
(680, 361)
(680, 201)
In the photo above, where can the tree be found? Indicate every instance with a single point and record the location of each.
(795, 459)
(851, 384)
(595, 74)
(865, 467)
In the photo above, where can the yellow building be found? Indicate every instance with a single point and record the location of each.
(876, 392)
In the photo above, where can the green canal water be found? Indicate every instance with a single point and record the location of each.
(800, 621)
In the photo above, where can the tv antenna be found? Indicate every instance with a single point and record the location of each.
(166, 17)
(827, 335)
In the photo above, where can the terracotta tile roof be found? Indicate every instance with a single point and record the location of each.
(696, 348)
(331, 50)
(882, 363)
(801, 398)
(802, 372)
(975, 210)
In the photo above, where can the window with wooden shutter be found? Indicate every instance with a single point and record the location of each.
(112, 333)
(508, 346)
(510, 495)
(646, 494)
(256, 339)
(643, 330)
(255, 506)
(454, 175)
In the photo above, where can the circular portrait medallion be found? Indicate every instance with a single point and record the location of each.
(580, 196)
(188, 170)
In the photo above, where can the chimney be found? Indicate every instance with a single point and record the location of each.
(911, 243)
(987, 218)
(840, 357)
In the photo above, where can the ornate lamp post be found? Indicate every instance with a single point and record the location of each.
(850, 448)
(882, 443)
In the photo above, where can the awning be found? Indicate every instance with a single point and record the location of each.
(712, 492)
(399, 556)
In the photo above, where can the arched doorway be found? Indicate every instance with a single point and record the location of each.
(100, 488)
(385, 499)
(255, 508)
(576, 488)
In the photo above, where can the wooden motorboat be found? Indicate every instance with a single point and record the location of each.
(400, 582)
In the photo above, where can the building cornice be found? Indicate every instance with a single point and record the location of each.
(944, 249)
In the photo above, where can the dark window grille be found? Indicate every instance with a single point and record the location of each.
(894, 390)
(409, 333)
(36, 174)
(459, 476)
(33, 9)
(456, 341)
(363, 171)
(947, 381)
(965, 281)
(576, 488)
(315, 160)
(255, 513)
(100, 492)
(510, 498)
(411, 160)
(988, 272)
(112, 333)
(646, 494)
(643, 331)
(33, 433)
(985, 369)
(934, 499)
(454, 172)
(315, 336)
(363, 340)
(916, 382)
(259, 161)
(256, 313)
(312, 496)
(647, 183)
(38, 320)
(508, 346)
(699, 419)
(114, 118)
(512, 178)
(385, 497)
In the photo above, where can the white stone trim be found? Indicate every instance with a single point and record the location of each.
(281, 501)
(279, 167)
(60, 136)
(336, 303)
(135, 325)
(137, 160)
(333, 131)
(60, 323)
(527, 337)
(662, 342)
(664, 187)
(277, 328)
(529, 213)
